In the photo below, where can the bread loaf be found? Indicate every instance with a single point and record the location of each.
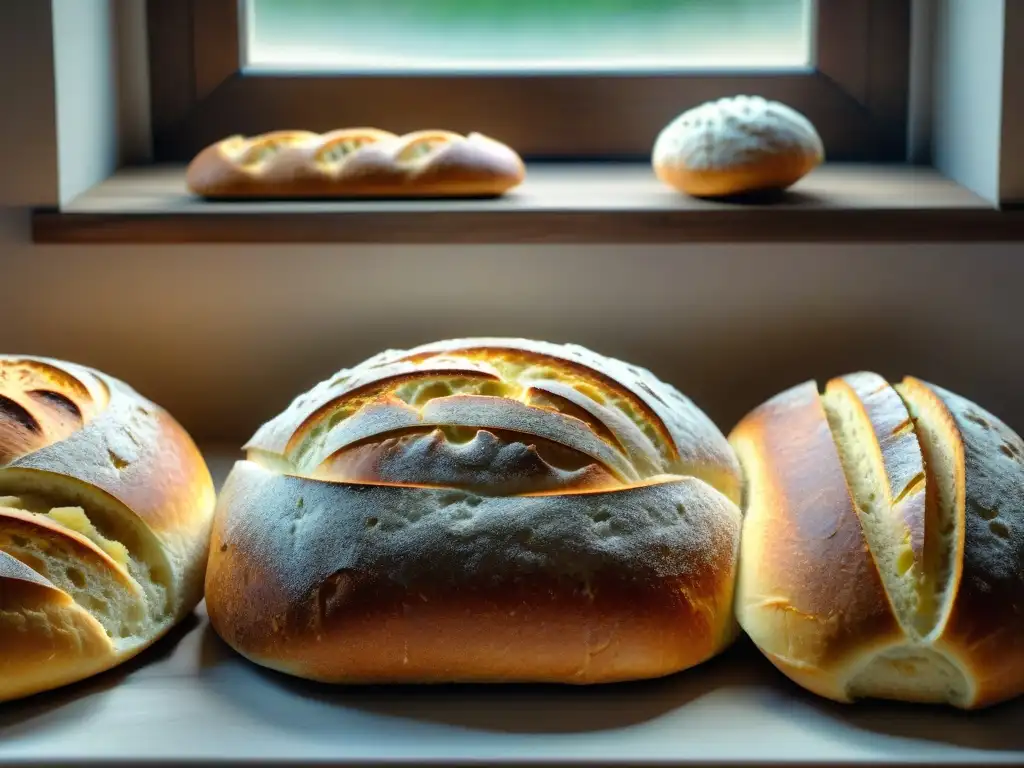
(355, 162)
(480, 510)
(105, 514)
(883, 541)
(736, 146)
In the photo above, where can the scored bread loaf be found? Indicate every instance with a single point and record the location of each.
(882, 543)
(355, 162)
(480, 510)
(735, 146)
(105, 514)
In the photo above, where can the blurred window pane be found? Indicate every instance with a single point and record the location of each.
(527, 35)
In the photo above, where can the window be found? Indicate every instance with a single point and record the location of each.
(535, 36)
(568, 79)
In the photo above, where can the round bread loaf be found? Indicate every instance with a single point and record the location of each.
(355, 162)
(480, 510)
(105, 514)
(882, 542)
(736, 146)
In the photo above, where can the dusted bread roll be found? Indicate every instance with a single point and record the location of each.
(480, 510)
(355, 162)
(883, 541)
(105, 514)
(736, 146)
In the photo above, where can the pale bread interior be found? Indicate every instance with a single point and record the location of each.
(911, 673)
(127, 586)
(99, 585)
(516, 383)
(338, 150)
(258, 150)
(422, 144)
(943, 525)
(887, 535)
(914, 671)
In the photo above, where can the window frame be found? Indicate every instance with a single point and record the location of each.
(857, 94)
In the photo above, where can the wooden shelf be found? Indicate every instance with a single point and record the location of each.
(593, 203)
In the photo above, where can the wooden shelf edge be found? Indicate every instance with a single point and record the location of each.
(565, 228)
(593, 204)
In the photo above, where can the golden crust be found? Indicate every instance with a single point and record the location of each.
(809, 593)
(99, 445)
(411, 518)
(656, 428)
(355, 162)
(42, 403)
(768, 174)
(46, 640)
(375, 583)
(135, 456)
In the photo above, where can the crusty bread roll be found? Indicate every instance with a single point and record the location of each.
(480, 510)
(105, 514)
(355, 162)
(883, 542)
(736, 146)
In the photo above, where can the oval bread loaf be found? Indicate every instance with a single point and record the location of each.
(355, 162)
(735, 146)
(105, 514)
(480, 510)
(882, 542)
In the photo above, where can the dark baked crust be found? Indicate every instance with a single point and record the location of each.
(374, 583)
(657, 428)
(985, 627)
(480, 510)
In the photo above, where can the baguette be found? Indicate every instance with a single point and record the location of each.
(105, 514)
(882, 542)
(355, 162)
(480, 510)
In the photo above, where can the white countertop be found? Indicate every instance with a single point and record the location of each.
(191, 698)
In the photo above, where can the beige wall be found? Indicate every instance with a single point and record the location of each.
(224, 336)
